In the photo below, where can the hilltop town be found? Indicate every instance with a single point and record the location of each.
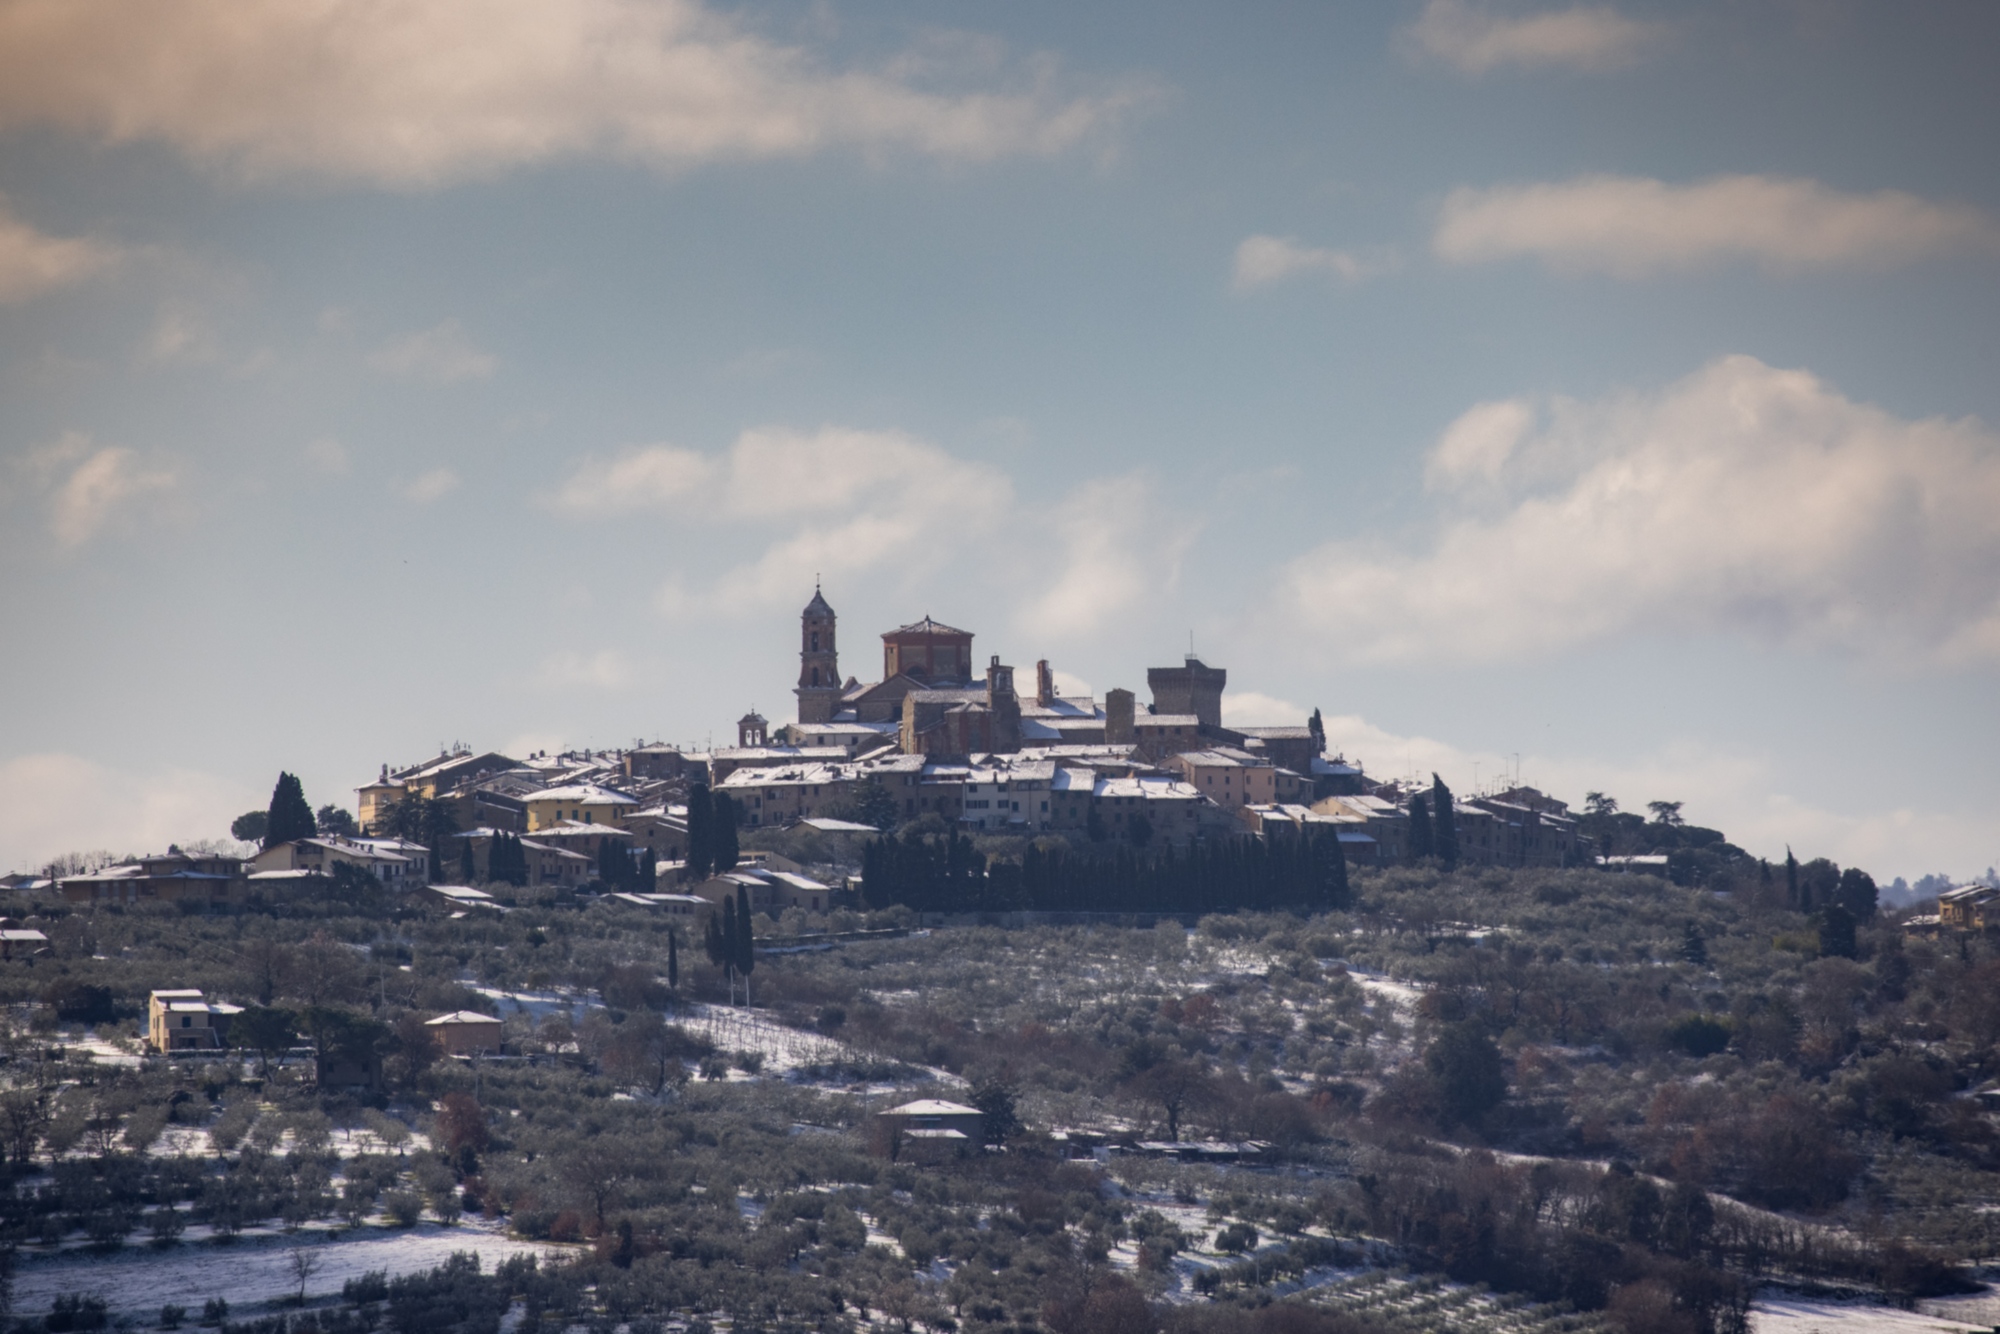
(937, 742)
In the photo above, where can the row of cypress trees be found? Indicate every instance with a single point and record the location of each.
(1434, 825)
(728, 941)
(712, 820)
(1307, 873)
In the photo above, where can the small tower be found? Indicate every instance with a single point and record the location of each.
(819, 662)
(752, 730)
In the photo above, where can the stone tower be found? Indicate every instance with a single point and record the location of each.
(819, 663)
(1194, 688)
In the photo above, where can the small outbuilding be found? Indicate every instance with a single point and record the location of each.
(465, 1032)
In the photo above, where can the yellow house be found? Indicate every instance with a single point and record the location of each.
(183, 1021)
(463, 1032)
(584, 803)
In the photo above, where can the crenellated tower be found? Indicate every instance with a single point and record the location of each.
(819, 662)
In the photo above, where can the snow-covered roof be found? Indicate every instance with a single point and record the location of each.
(584, 794)
(460, 1017)
(827, 826)
(934, 1107)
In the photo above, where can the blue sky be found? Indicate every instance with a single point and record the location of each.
(1600, 393)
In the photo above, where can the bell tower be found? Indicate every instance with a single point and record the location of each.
(819, 662)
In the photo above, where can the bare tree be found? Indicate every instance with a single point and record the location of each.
(304, 1263)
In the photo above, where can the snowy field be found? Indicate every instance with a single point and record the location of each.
(1788, 1315)
(138, 1281)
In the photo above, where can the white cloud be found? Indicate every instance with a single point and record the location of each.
(849, 500)
(442, 354)
(1263, 260)
(411, 94)
(430, 486)
(649, 478)
(1479, 444)
(1474, 39)
(606, 669)
(1740, 499)
(55, 803)
(86, 485)
(32, 263)
(1114, 552)
(1631, 226)
(1251, 708)
(180, 337)
(327, 455)
(1739, 792)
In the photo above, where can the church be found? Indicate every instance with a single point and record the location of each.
(929, 694)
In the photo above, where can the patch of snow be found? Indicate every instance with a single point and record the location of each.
(1789, 1315)
(139, 1280)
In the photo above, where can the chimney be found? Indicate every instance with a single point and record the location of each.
(1045, 684)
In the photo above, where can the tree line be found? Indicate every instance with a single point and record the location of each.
(1303, 872)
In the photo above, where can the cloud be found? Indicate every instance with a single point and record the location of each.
(56, 803)
(1632, 227)
(1263, 260)
(33, 263)
(1475, 40)
(647, 478)
(849, 500)
(1114, 552)
(442, 354)
(405, 94)
(607, 669)
(430, 486)
(1737, 791)
(1741, 499)
(85, 485)
(1250, 708)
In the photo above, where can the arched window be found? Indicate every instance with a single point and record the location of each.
(815, 676)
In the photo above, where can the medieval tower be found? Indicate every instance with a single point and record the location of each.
(819, 663)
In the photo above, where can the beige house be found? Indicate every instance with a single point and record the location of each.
(184, 1021)
(1229, 777)
(464, 1032)
(579, 803)
(175, 877)
(769, 891)
(397, 864)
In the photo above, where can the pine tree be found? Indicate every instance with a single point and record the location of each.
(1421, 845)
(722, 830)
(290, 816)
(701, 846)
(1444, 823)
(468, 870)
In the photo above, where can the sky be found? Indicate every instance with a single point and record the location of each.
(1601, 396)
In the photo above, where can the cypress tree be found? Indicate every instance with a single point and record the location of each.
(746, 945)
(727, 945)
(701, 848)
(673, 961)
(1444, 823)
(468, 871)
(1791, 879)
(1421, 845)
(1317, 726)
(434, 867)
(1694, 946)
(711, 939)
(650, 872)
(722, 833)
(290, 816)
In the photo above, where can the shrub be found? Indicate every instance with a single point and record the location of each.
(1698, 1035)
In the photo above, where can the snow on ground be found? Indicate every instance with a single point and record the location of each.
(104, 1051)
(1402, 995)
(540, 1004)
(1797, 1315)
(247, 1271)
